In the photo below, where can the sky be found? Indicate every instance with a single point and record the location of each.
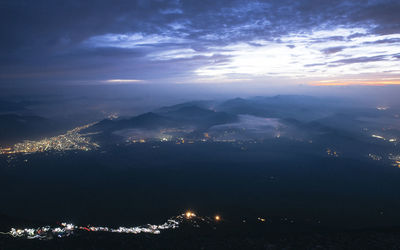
(284, 42)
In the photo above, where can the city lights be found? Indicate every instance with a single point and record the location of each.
(71, 140)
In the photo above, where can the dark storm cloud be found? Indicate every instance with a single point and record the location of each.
(385, 14)
(58, 38)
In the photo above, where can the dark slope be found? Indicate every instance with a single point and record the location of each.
(184, 116)
(199, 117)
(14, 127)
(200, 104)
(304, 108)
(148, 120)
(6, 106)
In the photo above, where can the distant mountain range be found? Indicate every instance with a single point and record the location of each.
(180, 116)
(296, 114)
(204, 114)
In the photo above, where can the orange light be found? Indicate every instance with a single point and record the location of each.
(356, 82)
(189, 214)
(217, 218)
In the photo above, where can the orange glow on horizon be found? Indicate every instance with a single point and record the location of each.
(355, 82)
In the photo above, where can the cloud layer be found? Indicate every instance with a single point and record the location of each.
(199, 41)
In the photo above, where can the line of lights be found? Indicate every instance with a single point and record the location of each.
(67, 229)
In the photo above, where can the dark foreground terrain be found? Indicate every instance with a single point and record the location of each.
(306, 198)
(221, 237)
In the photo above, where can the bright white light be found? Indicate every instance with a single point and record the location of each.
(307, 55)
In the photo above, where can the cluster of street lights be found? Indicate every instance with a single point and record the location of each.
(67, 229)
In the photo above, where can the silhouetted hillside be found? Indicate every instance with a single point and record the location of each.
(14, 127)
(176, 117)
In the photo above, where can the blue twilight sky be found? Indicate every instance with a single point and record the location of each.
(313, 42)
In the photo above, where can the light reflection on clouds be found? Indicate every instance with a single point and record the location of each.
(325, 53)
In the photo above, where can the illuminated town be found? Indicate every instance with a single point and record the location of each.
(71, 140)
